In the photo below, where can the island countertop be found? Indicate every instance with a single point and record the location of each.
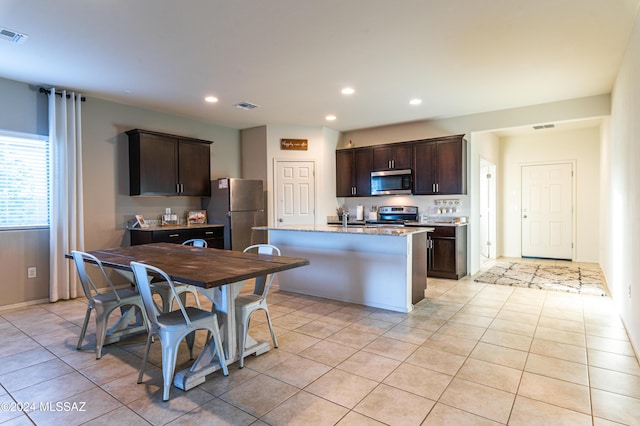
(338, 229)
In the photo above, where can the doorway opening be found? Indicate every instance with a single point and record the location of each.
(488, 211)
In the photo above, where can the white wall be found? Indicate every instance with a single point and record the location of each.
(579, 145)
(620, 191)
(321, 149)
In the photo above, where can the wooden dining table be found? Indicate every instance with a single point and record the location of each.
(220, 273)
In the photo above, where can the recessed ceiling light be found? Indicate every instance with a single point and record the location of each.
(330, 117)
(211, 99)
(415, 101)
(348, 91)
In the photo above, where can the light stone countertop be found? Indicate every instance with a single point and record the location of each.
(361, 230)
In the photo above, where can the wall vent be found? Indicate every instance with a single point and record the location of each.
(544, 126)
(12, 36)
(246, 105)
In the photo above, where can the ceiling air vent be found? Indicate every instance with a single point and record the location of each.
(246, 105)
(544, 126)
(12, 36)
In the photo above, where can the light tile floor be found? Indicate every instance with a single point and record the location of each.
(469, 354)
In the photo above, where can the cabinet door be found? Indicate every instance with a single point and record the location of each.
(442, 261)
(450, 170)
(424, 168)
(402, 156)
(153, 165)
(363, 163)
(194, 168)
(382, 157)
(344, 173)
(392, 157)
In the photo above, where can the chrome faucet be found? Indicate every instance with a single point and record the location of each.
(345, 219)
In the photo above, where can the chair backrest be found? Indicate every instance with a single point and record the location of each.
(263, 283)
(141, 272)
(88, 286)
(196, 242)
(263, 249)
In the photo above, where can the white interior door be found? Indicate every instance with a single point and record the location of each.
(487, 210)
(295, 192)
(547, 211)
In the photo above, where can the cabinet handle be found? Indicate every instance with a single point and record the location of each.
(174, 235)
(437, 187)
(208, 233)
(433, 187)
(178, 188)
(354, 190)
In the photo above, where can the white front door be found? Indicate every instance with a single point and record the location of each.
(547, 211)
(295, 192)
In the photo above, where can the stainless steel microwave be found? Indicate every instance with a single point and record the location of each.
(390, 182)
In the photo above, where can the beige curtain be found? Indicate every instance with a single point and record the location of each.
(67, 224)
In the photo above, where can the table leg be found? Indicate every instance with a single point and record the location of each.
(207, 361)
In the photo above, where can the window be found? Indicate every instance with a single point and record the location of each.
(24, 181)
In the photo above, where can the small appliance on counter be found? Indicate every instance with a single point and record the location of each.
(169, 218)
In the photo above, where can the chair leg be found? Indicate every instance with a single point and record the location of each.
(243, 337)
(273, 334)
(169, 357)
(84, 328)
(144, 357)
(101, 331)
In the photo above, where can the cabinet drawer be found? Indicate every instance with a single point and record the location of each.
(213, 235)
(443, 232)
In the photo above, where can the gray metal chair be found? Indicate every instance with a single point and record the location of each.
(247, 304)
(196, 242)
(162, 289)
(174, 326)
(105, 302)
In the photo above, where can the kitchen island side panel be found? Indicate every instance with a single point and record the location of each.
(372, 270)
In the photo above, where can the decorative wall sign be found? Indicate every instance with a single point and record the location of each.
(294, 144)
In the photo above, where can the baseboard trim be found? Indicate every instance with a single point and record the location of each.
(23, 304)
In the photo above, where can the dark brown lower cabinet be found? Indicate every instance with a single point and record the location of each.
(447, 252)
(213, 235)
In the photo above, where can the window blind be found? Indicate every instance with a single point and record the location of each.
(24, 182)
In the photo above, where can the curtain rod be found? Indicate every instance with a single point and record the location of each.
(47, 91)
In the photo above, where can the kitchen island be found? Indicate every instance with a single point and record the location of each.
(383, 267)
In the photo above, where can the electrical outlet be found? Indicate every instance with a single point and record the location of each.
(31, 272)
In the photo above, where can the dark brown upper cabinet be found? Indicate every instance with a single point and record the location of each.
(439, 166)
(353, 172)
(168, 165)
(390, 157)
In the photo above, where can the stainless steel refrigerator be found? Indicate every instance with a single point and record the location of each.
(239, 205)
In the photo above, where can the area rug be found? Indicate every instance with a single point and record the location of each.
(572, 279)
